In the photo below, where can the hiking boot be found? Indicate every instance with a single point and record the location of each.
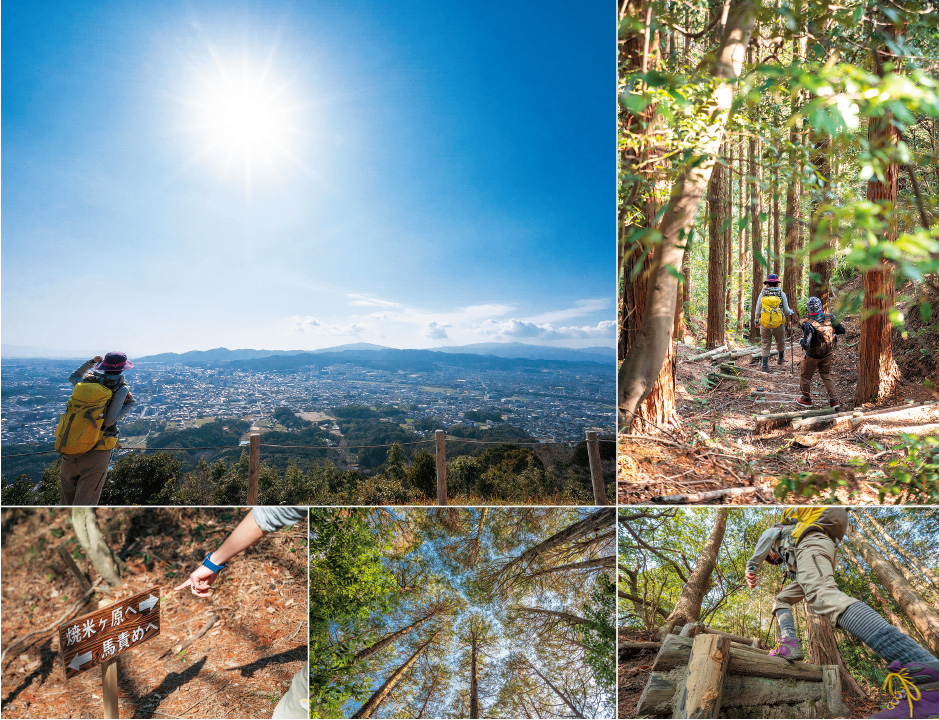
(766, 364)
(788, 649)
(804, 402)
(914, 688)
(782, 357)
(834, 403)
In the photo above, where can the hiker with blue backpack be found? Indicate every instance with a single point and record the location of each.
(819, 339)
(769, 314)
(87, 431)
(804, 544)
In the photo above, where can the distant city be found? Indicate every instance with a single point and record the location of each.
(552, 400)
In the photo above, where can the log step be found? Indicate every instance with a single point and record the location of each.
(676, 651)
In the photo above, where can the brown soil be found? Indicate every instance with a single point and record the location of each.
(717, 446)
(239, 669)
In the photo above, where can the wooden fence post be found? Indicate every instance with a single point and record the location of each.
(704, 687)
(254, 464)
(831, 690)
(596, 470)
(109, 689)
(441, 468)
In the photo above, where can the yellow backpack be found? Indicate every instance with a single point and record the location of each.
(80, 428)
(771, 314)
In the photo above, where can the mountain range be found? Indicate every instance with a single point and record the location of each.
(358, 352)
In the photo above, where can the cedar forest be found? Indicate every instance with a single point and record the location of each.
(462, 612)
(791, 138)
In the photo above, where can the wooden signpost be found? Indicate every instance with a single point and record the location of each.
(99, 637)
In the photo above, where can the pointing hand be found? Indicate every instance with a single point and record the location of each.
(200, 581)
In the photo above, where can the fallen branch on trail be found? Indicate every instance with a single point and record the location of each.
(702, 497)
(655, 439)
(911, 429)
(628, 649)
(707, 354)
(761, 421)
(856, 417)
(78, 605)
(202, 631)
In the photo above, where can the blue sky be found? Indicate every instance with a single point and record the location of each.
(181, 176)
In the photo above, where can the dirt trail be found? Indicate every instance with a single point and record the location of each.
(239, 668)
(718, 446)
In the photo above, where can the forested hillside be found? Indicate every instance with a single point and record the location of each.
(680, 566)
(482, 612)
(797, 140)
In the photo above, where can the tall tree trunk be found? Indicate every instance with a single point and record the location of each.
(597, 564)
(728, 225)
(717, 258)
(898, 561)
(792, 265)
(644, 361)
(430, 693)
(742, 239)
(564, 697)
(566, 617)
(924, 617)
(474, 683)
(599, 521)
(679, 329)
(821, 235)
(902, 552)
(885, 604)
(688, 607)
(389, 639)
(99, 553)
(756, 233)
(647, 162)
(823, 650)
(378, 697)
(877, 371)
(776, 265)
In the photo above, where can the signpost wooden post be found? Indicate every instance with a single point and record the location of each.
(99, 637)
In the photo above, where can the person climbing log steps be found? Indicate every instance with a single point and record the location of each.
(804, 543)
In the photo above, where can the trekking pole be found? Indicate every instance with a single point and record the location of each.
(792, 360)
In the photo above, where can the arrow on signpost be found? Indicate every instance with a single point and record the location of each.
(79, 660)
(148, 603)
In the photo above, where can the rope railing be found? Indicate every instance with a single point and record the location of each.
(439, 439)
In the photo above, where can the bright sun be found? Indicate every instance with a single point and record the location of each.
(245, 118)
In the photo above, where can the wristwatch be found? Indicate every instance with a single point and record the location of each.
(211, 565)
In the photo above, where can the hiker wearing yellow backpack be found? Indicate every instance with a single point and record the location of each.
(769, 314)
(87, 431)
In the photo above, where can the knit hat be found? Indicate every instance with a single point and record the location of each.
(771, 278)
(814, 305)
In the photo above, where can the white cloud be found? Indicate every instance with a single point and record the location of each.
(521, 329)
(437, 332)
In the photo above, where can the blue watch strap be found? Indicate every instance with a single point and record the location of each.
(211, 565)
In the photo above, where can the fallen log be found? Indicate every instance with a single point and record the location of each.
(724, 376)
(739, 691)
(771, 418)
(804, 422)
(702, 497)
(676, 650)
(896, 411)
(911, 429)
(856, 417)
(707, 354)
(628, 649)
